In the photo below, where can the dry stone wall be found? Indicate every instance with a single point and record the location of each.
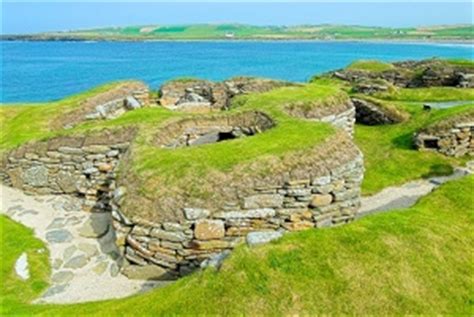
(171, 249)
(455, 141)
(83, 166)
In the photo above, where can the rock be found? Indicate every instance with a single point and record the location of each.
(105, 167)
(321, 200)
(76, 262)
(196, 213)
(166, 235)
(114, 269)
(57, 223)
(100, 268)
(69, 252)
(216, 260)
(252, 213)
(89, 249)
(209, 245)
(62, 277)
(260, 237)
(209, 229)
(322, 181)
(96, 226)
(22, 267)
(263, 201)
(132, 103)
(147, 272)
(57, 264)
(58, 236)
(107, 243)
(66, 181)
(57, 289)
(36, 176)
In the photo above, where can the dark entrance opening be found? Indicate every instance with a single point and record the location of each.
(223, 136)
(430, 143)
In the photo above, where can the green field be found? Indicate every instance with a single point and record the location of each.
(242, 31)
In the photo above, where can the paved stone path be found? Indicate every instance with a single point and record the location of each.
(81, 252)
(406, 195)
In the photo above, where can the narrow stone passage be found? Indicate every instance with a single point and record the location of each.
(406, 195)
(82, 249)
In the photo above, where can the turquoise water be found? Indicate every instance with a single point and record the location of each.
(43, 71)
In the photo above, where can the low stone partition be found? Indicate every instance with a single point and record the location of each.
(370, 112)
(84, 166)
(108, 105)
(314, 196)
(204, 130)
(455, 140)
(341, 114)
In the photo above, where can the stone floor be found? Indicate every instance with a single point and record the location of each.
(82, 250)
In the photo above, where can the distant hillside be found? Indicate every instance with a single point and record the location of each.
(249, 32)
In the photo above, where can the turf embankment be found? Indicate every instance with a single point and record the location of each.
(412, 261)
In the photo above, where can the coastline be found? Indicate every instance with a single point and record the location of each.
(456, 42)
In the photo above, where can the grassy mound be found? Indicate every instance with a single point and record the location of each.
(370, 66)
(413, 261)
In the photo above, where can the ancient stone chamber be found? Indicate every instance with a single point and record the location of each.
(166, 234)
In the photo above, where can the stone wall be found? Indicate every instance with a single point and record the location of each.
(369, 113)
(211, 129)
(171, 249)
(107, 105)
(83, 166)
(202, 95)
(457, 140)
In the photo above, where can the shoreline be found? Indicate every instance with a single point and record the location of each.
(355, 40)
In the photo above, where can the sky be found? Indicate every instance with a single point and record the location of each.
(21, 16)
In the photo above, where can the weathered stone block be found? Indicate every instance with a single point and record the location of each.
(251, 213)
(321, 200)
(209, 229)
(167, 235)
(263, 201)
(36, 176)
(195, 213)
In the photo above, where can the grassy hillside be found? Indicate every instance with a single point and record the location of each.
(413, 261)
(240, 31)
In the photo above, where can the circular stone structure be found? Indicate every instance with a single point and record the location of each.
(184, 189)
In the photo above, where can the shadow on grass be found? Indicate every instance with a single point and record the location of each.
(439, 170)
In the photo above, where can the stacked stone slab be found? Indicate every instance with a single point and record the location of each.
(82, 166)
(211, 129)
(169, 249)
(108, 105)
(457, 140)
(202, 95)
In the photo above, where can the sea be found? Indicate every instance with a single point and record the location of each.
(48, 71)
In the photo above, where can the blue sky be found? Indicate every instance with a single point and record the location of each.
(37, 16)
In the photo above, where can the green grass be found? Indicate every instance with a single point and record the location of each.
(14, 240)
(428, 94)
(371, 66)
(389, 156)
(412, 261)
(21, 123)
(242, 31)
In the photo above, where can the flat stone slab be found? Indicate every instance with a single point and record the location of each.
(59, 236)
(261, 237)
(21, 267)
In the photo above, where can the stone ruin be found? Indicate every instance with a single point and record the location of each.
(107, 105)
(409, 74)
(206, 130)
(452, 137)
(203, 96)
(319, 189)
